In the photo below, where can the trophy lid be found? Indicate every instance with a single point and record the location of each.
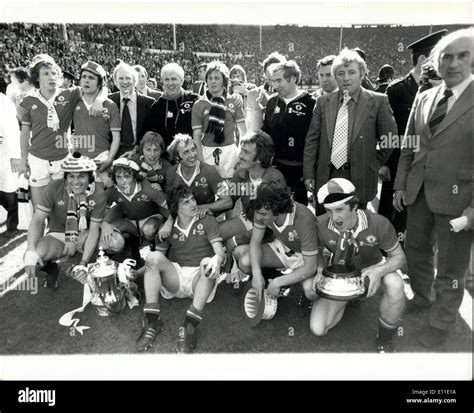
(104, 266)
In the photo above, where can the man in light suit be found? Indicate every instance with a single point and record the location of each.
(435, 181)
(134, 108)
(346, 126)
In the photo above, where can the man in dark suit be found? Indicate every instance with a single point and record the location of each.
(134, 108)
(435, 180)
(345, 128)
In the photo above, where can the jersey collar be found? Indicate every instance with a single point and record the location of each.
(187, 230)
(289, 220)
(362, 224)
(197, 171)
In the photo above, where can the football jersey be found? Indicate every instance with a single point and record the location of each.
(154, 174)
(241, 186)
(188, 246)
(144, 203)
(373, 233)
(91, 135)
(46, 143)
(205, 184)
(298, 232)
(55, 201)
(234, 113)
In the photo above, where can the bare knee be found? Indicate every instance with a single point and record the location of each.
(244, 263)
(393, 285)
(154, 259)
(318, 326)
(308, 289)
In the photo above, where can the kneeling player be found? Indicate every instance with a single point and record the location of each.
(187, 264)
(140, 207)
(75, 206)
(295, 246)
(373, 233)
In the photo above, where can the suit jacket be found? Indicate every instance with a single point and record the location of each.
(373, 121)
(143, 107)
(443, 163)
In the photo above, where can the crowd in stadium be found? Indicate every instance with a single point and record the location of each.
(228, 168)
(237, 44)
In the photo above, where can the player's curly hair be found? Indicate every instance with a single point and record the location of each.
(275, 197)
(176, 195)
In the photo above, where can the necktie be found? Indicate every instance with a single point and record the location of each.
(127, 129)
(440, 112)
(341, 133)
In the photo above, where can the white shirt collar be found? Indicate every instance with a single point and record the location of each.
(132, 96)
(197, 171)
(185, 231)
(458, 89)
(138, 188)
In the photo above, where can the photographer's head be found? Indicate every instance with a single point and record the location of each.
(237, 74)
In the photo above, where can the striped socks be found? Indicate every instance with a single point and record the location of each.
(151, 312)
(193, 317)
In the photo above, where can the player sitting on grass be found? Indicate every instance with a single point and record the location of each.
(185, 265)
(373, 233)
(75, 207)
(139, 209)
(295, 246)
(207, 186)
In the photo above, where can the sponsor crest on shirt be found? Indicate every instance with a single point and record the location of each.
(34, 107)
(61, 202)
(231, 106)
(78, 107)
(277, 109)
(200, 227)
(61, 98)
(91, 203)
(175, 236)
